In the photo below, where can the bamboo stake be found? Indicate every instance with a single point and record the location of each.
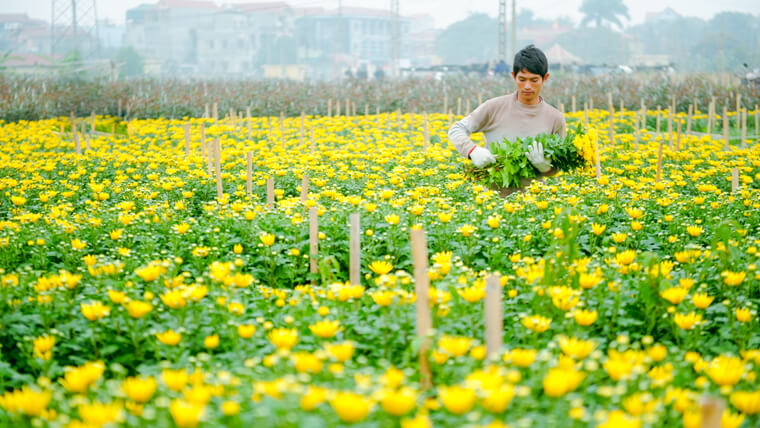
(118, 112)
(725, 127)
(300, 130)
(643, 116)
(757, 121)
(688, 120)
(598, 161)
(355, 250)
(572, 103)
(337, 108)
(658, 120)
(422, 291)
(313, 239)
(366, 111)
(249, 173)
(659, 162)
(469, 110)
(218, 167)
(282, 129)
(494, 313)
(329, 107)
(304, 188)
(612, 125)
(636, 119)
(459, 106)
(734, 179)
(744, 129)
(585, 114)
(670, 128)
(187, 140)
(77, 143)
(216, 112)
(313, 149)
(738, 109)
(426, 134)
(248, 119)
(209, 155)
(712, 412)
(270, 193)
(446, 103)
(678, 135)
(710, 113)
(92, 122)
(203, 138)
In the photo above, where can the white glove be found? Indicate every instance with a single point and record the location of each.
(535, 155)
(482, 157)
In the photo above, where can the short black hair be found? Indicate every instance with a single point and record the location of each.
(531, 59)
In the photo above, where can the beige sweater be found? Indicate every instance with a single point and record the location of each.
(505, 117)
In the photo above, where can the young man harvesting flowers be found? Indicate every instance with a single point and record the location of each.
(520, 114)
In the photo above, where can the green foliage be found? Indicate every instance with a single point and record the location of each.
(469, 40)
(512, 165)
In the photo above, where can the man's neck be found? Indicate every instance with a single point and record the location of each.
(533, 102)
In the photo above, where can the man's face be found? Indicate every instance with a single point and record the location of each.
(529, 86)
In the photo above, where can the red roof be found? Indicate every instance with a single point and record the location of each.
(25, 59)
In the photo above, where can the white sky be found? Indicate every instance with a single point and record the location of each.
(444, 12)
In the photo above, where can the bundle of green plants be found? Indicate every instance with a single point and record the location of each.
(565, 154)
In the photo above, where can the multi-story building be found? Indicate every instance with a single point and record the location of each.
(256, 39)
(20, 33)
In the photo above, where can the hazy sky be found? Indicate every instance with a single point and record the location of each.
(443, 11)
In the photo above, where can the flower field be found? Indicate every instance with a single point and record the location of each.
(133, 295)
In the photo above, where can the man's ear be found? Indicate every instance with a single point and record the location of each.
(546, 77)
(513, 74)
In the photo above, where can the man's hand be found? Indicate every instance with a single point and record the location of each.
(482, 157)
(535, 155)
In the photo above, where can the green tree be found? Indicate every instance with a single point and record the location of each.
(598, 45)
(604, 11)
(130, 61)
(470, 40)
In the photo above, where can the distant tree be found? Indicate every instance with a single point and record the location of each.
(674, 38)
(526, 18)
(604, 11)
(596, 45)
(470, 40)
(130, 61)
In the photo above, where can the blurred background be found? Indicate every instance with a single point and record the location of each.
(373, 39)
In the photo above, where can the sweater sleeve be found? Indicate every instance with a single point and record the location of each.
(459, 133)
(560, 126)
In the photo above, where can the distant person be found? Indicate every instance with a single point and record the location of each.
(522, 113)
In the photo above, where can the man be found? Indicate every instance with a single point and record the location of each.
(522, 113)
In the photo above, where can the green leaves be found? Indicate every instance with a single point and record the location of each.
(512, 166)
